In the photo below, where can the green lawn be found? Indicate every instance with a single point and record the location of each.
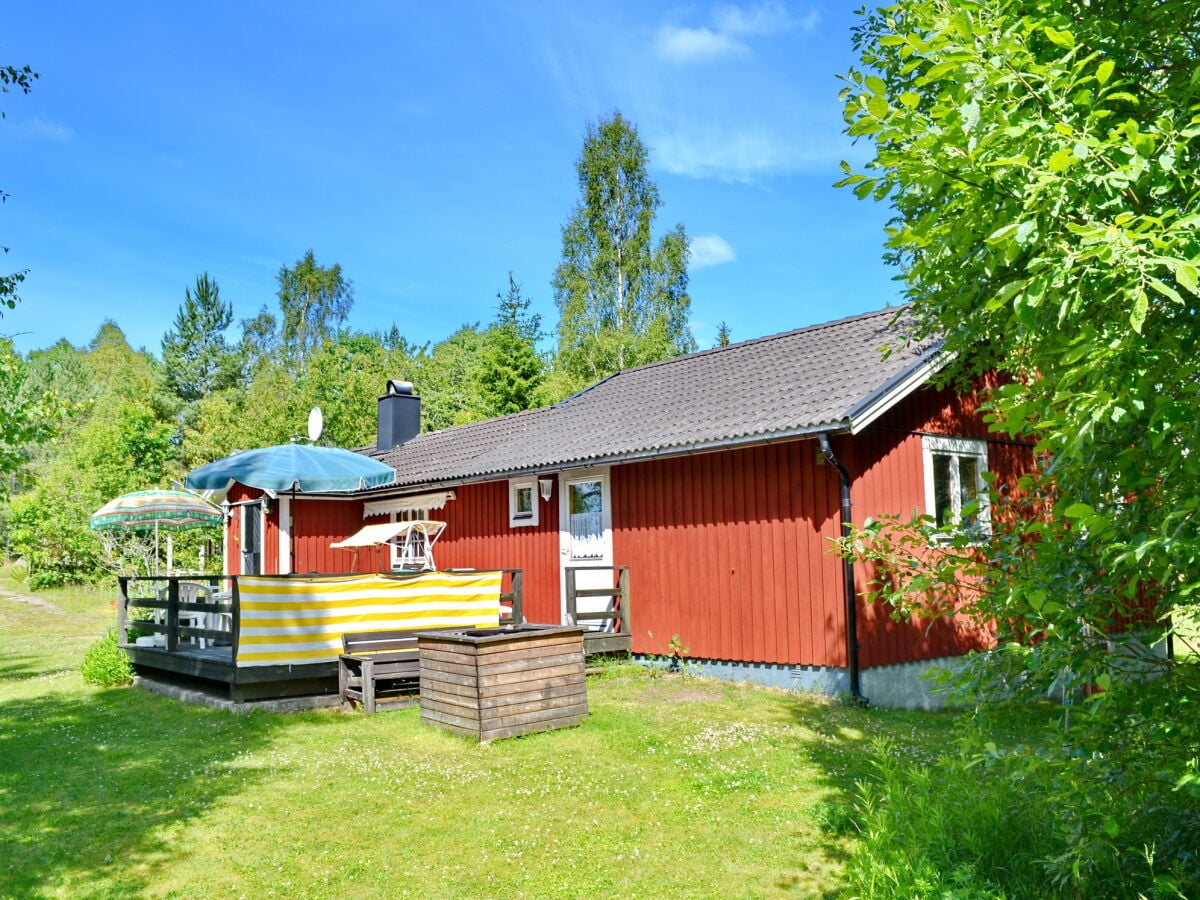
(674, 786)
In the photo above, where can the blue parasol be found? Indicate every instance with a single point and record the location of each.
(293, 467)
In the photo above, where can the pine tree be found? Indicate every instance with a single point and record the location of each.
(197, 357)
(510, 368)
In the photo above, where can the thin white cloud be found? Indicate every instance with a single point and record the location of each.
(695, 45)
(682, 45)
(810, 21)
(737, 156)
(771, 17)
(745, 122)
(710, 250)
(44, 129)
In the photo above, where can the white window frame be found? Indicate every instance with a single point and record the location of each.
(957, 448)
(403, 515)
(521, 520)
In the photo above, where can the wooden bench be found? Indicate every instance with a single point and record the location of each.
(377, 658)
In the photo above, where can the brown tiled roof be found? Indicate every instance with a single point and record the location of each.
(813, 379)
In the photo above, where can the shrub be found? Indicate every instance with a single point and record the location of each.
(960, 828)
(106, 664)
(1051, 821)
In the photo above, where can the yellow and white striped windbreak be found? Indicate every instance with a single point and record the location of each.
(293, 620)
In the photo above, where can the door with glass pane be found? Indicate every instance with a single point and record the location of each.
(585, 536)
(252, 538)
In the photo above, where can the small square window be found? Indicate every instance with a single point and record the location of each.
(522, 502)
(955, 494)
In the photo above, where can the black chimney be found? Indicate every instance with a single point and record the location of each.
(399, 416)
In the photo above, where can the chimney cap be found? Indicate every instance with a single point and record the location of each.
(396, 386)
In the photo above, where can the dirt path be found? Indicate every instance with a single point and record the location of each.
(31, 600)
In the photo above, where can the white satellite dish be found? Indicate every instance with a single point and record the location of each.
(316, 424)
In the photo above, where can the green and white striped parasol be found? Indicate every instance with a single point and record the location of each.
(155, 510)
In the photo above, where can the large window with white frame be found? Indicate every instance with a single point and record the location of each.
(522, 502)
(416, 546)
(955, 489)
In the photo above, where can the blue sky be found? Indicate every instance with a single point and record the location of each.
(429, 148)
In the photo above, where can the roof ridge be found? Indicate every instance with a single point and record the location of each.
(817, 326)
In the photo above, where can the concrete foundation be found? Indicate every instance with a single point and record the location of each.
(906, 686)
(189, 694)
(890, 687)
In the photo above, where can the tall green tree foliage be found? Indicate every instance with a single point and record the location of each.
(447, 378)
(197, 357)
(12, 78)
(26, 418)
(119, 439)
(345, 378)
(1041, 157)
(622, 300)
(511, 370)
(260, 341)
(315, 301)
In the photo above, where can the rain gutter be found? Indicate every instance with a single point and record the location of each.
(752, 440)
(847, 576)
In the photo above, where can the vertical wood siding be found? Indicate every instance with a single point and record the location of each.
(888, 468)
(237, 494)
(479, 537)
(318, 523)
(729, 550)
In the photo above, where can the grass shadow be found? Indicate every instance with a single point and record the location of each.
(838, 750)
(93, 784)
(21, 668)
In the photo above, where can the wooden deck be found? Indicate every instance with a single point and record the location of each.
(214, 666)
(195, 633)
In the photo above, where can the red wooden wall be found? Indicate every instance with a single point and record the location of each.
(886, 462)
(729, 550)
(478, 537)
(318, 523)
(315, 524)
(239, 493)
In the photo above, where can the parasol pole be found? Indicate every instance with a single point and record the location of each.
(292, 528)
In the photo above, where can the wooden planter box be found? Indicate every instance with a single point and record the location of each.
(501, 682)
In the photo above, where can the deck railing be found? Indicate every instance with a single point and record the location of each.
(513, 598)
(193, 611)
(171, 609)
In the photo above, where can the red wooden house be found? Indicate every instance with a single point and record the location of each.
(716, 478)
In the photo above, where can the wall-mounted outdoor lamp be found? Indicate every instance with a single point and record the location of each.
(546, 486)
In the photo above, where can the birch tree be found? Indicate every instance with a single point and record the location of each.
(622, 300)
(315, 301)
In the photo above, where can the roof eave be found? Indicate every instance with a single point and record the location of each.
(897, 388)
(750, 440)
